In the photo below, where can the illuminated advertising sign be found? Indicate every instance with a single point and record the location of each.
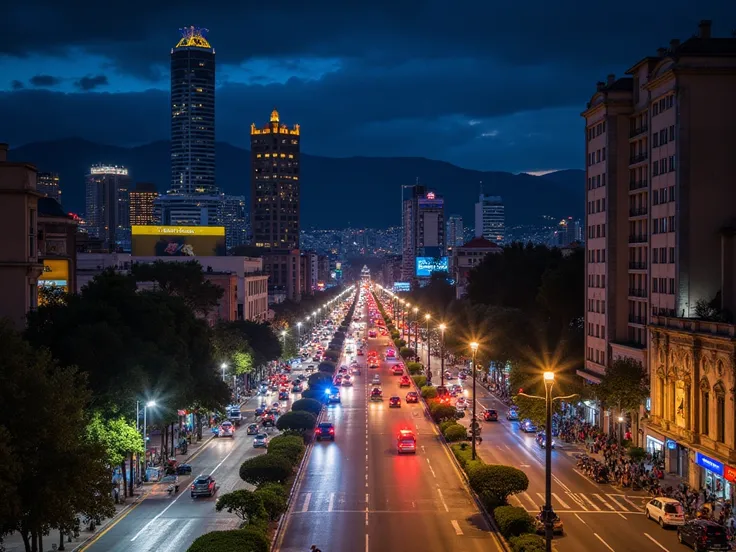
(178, 241)
(402, 286)
(425, 266)
(55, 275)
(709, 464)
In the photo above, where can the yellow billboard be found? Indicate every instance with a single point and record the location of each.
(178, 241)
(54, 278)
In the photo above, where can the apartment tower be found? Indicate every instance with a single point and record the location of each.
(48, 184)
(142, 199)
(108, 205)
(490, 218)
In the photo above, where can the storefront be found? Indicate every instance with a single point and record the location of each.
(591, 412)
(654, 444)
(676, 458)
(713, 476)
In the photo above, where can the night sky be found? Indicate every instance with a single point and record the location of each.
(484, 85)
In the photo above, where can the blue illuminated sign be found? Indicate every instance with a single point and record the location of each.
(671, 445)
(427, 265)
(402, 286)
(709, 464)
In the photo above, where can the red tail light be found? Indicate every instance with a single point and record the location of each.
(332, 431)
(194, 487)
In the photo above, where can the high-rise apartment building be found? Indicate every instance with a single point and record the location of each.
(455, 232)
(235, 220)
(142, 199)
(659, 243)
(274, 154)
(490, 218)
(48, 184)
(423, 214)
(193, 114)
(108, 205)
(566, 232)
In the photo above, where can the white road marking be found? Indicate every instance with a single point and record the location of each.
(564, 504)
(147, 525)
(366, 542)
(531, 501)
(366, 499)
(604, 542)
(647, 535)
(581, 519)
(593, 504)
(332, 502)
(442, 498)
(516, 498)
(456, 525)
(616, 502)
(307, 498)
(637, 508)
(578, 500)
(560, 483)
(603, 500)
(431, 469)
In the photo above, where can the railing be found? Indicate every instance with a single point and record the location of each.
(638, 184)
(637, 292)
(637, 265)
(638, 211)
(638, 158)
(695, 325)
(637, 319)
(640, 130)
(638, 238)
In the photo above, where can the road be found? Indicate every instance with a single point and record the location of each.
(170, 524)
(358, 494)
(597, 516)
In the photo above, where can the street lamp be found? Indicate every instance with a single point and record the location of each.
(299, 331)
(416, 331)
(427, 317)
(548, 514)
(473, 421)
(283, 334)
(146, 406)
(224, 367)
(443, 327)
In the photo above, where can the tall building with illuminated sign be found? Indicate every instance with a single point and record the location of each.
(48, 185)
(108, 205)
(274, 151)
(193, 114)
(423, 218)
(142, 198)
(490, 218)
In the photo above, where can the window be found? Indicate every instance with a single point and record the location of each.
(655, 168)
(672, 163)
(671, 194)
(672, 254)
(672, 133)
(672, 286)
(721, 418)
(671, 223)
(603, 154)
(655, 256)
(655, 140)
(654, 285)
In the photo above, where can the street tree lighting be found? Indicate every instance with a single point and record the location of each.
(474, 420)
(224, 367)
(442, 327)
(146, 406)
(283, 334)
(548, 514)
(299, 331)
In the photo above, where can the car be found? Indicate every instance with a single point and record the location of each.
(404, 381)
(512, 415)
(541, 440)
(343, 370)
(298, 388)
(360, 352)
(666, 512)
(390, 353)
(283, 395)
(449, 376)
(703, 534)
(260, 441)
(557, 527)
(527, 426)
(461, 403)
(252, 429)
(356, 371)
(204, 485)
(325, 430)
(394, 402)
(372, 333)
(268, 420)
(183, 469)
(397, 370)
(347, 381)
(376, 379)
(372, 365)
(490, 415)
(338, 379)
(406, 441)
(376, 394)
(227, 429)
(412, 397)
(333, 395)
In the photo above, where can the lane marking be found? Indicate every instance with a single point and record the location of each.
(442, 498)
(577, 499)
(431, 469)
(647, 535)
(307, 498)
(456, 525)
(366, 542)
(535, 506)
(516, 498)
(147, 525)
(616, 502)
(560, 483)
(332, 502)
(603, 500)
(581, 519)
(593, 504)
(564, 504)
(604, 542)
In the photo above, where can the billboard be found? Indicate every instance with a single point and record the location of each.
(178, 241)
(425, 266)
(55, 275)
(402, 286)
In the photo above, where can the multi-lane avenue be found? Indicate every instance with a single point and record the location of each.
(357, 493)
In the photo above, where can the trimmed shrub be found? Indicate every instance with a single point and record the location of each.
(406, 352)
(250, 539)
(494, 483)
(319, 380)
(308, 405)
(274, 498)
(527, 543)
(400, 343)
(265, 468)
(396, 343)
(441, 412)
(513, 521)
(395, 334)
(421, 381)
(245, 504)
(332, 355)
(414, 368)
(290, 447)
(429, 392)
(326, 366)
(444, 425)
(464, 455)
(455, 432)
(296, 421)
(314, 394)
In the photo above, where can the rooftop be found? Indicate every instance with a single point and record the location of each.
(193, 37)
(479, 242)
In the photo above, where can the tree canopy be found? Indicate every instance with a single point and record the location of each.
(624, 385)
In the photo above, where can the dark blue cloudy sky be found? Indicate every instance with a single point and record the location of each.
(484, 84)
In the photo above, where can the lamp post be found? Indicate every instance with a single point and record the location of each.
(149, 404)
(427, 317)
(283, 334)
(299, 332)
(224, 367)
(473, 421)
(416, 331)
(443, 327)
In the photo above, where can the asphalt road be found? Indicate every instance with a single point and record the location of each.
(600, 517)
(358, 494)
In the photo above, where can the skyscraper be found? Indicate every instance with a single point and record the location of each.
(193, 114)
(490, 218)
(235, 220)
(48, 185)
(455, 231)
(424, 227)
(274, 152)
(108, 205)
(142, 198)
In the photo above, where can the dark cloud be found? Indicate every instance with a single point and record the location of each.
(90, 83)
(17, 85)
(44, 81)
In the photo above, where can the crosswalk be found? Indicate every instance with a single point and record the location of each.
(318, 502)
(582, 502)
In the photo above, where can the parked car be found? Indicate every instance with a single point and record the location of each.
(527, 426)
(666, 512)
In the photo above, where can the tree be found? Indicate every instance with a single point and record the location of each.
(624, 385)
(494, 482)
(296, 421)
(118, 437)
(308, 405)
(231, 345)
(266, 468)
(245, 504)
(249, 539)
(273, 497)
(290, 447)
(58, 472)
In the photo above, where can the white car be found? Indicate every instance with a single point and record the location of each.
(665, 511)
(461, 403)
(376, 379)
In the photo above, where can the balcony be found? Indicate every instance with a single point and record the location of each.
(636, 265)
(637, 319)
(639, 158)
(638, 184)
(638, 238)
(637, 131)
(637, 292)
(638, 211)
(695, 325)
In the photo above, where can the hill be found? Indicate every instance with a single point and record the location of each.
(336, 192)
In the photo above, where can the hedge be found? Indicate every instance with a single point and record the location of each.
(414, 367)
(513, 521)
(406, 352)
(441, 411)
(332, 355)
(527, 543)
(400, 343)
(429, 392)
(494, 483)
(265, 468)
(319, 380)
(444, 425)
(395, 334)
(308, 405)
(464, 455)
(298, 420)
(327, 366)
(421, 381)
(290, 447)
(455, 432)
(314, 394)
(274, 498)
(250, 539)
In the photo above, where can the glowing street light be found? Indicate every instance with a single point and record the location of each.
(224, 367)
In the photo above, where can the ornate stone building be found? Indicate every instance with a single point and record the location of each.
(692, 423)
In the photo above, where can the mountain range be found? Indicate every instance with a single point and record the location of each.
(336, 192)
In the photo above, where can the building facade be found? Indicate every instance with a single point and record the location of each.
(284, 269)
(57, 248)
(309, 271)
(275, 186)
(455, 232)
(48, 185)
(193, 114)
(233, 216)
(490, 218)
(142, 199)
(108, 205)
(423, 214)
(466, 257)
(20, 266)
